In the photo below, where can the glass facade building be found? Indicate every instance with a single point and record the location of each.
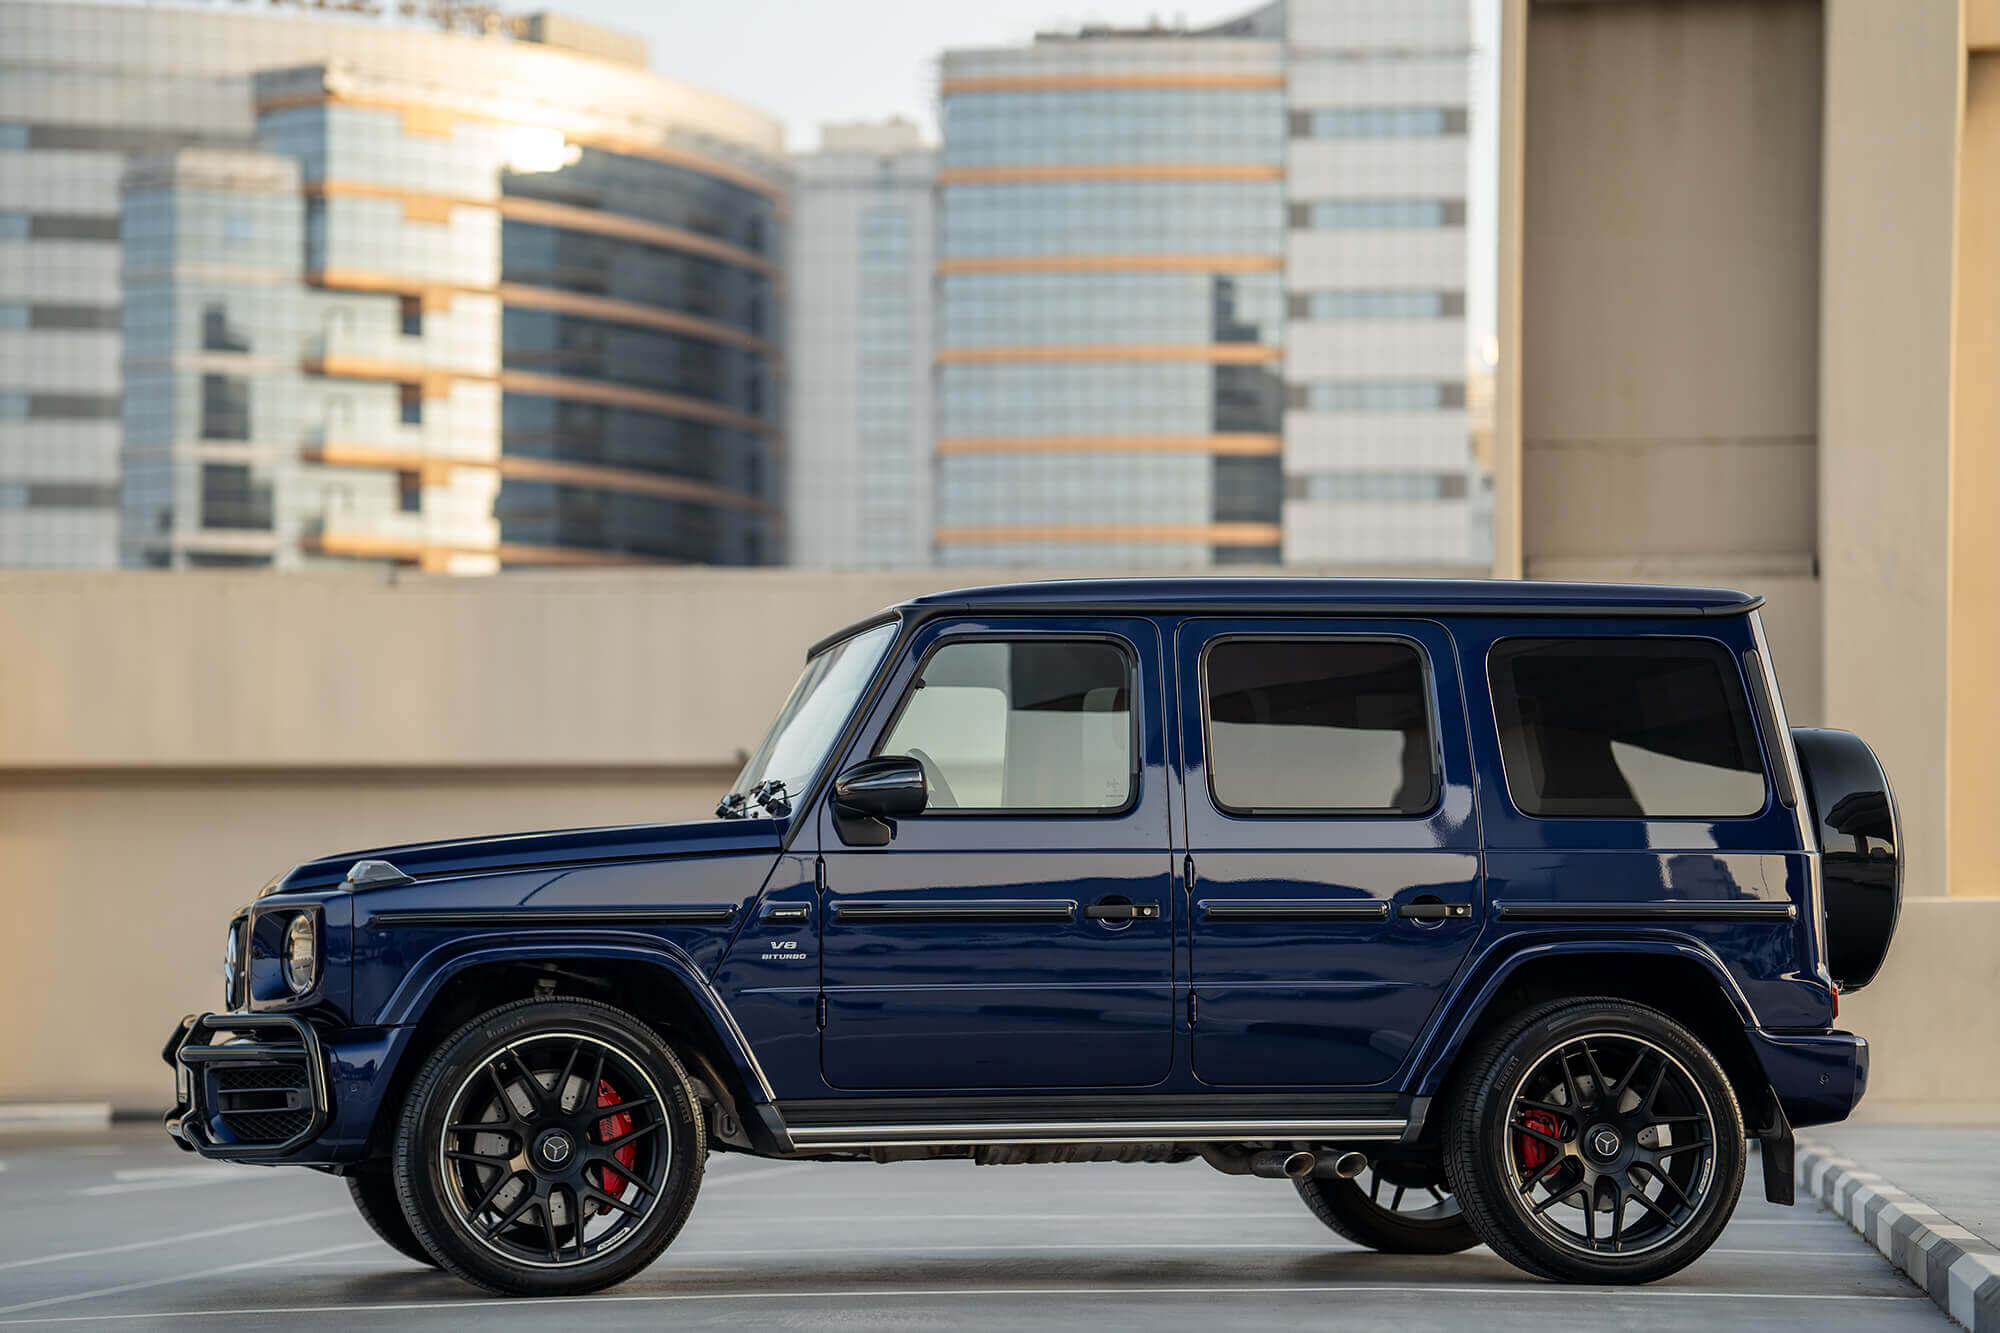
(861, 312)
(453, 301)
(1201, 293)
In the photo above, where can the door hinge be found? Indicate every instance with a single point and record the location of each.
(1187, 873)
(1191, 1009)
(820, 1018)
(819, 874)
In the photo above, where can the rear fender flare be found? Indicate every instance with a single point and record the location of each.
(1447, 1038)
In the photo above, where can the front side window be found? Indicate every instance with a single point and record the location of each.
(1021, 725)
(1323, 725)
(1625, 729)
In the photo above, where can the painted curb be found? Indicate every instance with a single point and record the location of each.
(54, 1115)
(1960, 1270)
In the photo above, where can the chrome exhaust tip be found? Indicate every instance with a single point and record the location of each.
(1282, 1165)
(1346, 1166)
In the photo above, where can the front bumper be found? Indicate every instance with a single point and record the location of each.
(249, 1087)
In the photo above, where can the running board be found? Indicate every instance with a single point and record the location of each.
(1093, 1131)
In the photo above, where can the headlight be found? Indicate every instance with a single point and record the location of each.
(301, 954)
(232, 962)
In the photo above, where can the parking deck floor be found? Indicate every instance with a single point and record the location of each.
(122, 1230)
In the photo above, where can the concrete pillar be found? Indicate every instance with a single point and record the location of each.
(1972, 743)
(1894, 90)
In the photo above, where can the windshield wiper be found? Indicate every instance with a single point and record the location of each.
(730, 806)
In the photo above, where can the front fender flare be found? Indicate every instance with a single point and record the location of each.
(1508, 955)
(413, 995)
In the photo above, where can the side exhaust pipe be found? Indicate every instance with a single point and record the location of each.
(1282, 1165)
(1344, 1167)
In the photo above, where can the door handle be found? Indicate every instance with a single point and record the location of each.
(1122, 912)
(1435, 911)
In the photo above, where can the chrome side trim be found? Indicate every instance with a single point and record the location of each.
(702, 914)
(1655, 911)
(962, 909)
(1092, 1131)
(1292, 909)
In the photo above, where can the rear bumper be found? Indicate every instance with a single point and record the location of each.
(248, 1087)
(1818, 1077)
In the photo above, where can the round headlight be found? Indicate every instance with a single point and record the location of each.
(301, 955)
(231, 959)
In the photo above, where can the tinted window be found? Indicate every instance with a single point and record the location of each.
(1319, 724)
(1022, 725)
(1625, 729)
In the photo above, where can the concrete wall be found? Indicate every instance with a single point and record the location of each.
(1893, 80)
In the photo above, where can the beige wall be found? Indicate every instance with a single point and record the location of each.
(1670, 271)
(1892, 113)
(1973, 737)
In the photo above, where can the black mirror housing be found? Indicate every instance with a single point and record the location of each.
(890, 786)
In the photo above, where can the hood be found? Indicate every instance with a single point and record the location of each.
(557, 847)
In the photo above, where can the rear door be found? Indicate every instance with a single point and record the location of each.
(1333, 841)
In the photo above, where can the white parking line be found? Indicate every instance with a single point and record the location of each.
(179, 1238)
(143, 1179)
(1536, 1290)
(177, 1277)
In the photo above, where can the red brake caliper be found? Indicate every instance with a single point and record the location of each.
(611, 1127)
(1534, 1153)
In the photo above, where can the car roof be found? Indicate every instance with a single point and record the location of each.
(1429, 596)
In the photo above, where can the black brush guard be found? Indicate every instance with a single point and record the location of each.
(249, 1086)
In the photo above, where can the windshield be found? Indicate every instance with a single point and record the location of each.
(798, 741)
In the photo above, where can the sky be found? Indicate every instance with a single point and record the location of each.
(808, 61)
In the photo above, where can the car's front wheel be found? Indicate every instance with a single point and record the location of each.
(549, 1147)
(1595, 1141)
(373, 1189)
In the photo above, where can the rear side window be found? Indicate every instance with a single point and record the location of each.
(1319, 725)
(1021, 725)
(1625, 729)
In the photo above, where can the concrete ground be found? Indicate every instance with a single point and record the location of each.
(1947, 1155)
(122, 1230)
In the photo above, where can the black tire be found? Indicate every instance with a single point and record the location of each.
(556, 1160)
(373, 1190)
(1354, 1209)
(1626, 1098)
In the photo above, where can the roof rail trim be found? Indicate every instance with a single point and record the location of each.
(1251, 606)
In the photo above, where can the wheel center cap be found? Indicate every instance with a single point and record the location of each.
(1604, 1142)
(555, 1149)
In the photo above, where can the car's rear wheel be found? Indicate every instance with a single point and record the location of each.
(1595, 1141)
(549, 1147)
(373, 1189)
(1394, 1207)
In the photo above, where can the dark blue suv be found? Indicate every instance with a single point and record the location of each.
(1480, 911)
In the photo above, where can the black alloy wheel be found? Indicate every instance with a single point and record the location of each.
(550, 1147)
(1596, 1141)
(1393, 1207)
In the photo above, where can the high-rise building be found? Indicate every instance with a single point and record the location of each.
(860, 346)
(379, 290)
(1202, 293)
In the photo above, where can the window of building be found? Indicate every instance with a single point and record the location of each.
(410, 400)
(1377, 395)
(1022, 725)
(13, 314)
(410, 491)
(1625, 729)
(225, 407)
(13, 134)
(1371, 214)
(232, 498)
(217, 335)
(1319, 725)
(1373, 486)
(1378, 122)
(1378, 303)
(69, 316)
(410, 313)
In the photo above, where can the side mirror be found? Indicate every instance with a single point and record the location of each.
(874, 790)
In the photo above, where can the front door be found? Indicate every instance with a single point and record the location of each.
(1019, 933)
(1334, 845)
